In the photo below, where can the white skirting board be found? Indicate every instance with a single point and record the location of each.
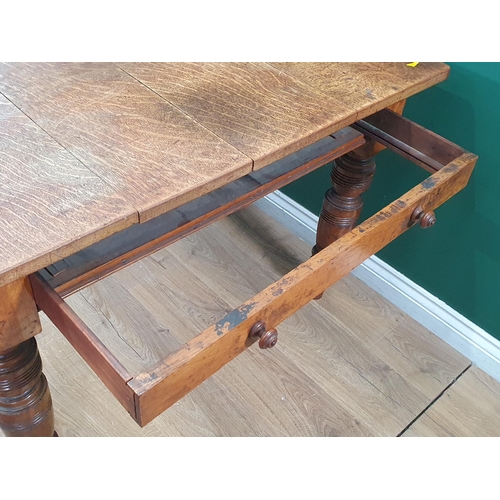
(449, 325)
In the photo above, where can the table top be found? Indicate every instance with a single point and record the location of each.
(88, 149)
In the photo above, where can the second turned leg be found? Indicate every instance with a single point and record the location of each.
(351, 176)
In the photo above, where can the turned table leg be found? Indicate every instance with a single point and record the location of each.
(351, 176)
(25, 402)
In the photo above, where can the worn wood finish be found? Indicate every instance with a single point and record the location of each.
(253, 396)
(143, 147)
(261, 111)
(210, 257)
(163, 142)
(201, 357)
(109, 255)
(173, 294)
(329, 341)
(352, 173)
(19, 319)
(50, 204)
(158, 389)
(25, 401)
(367, 87)
(106, 366)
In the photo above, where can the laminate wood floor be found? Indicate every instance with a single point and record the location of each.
(350, 364)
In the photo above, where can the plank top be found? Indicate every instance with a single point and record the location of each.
(104, 145)
(51, 205)
(142, 146)
(268, 111)
(263, 112)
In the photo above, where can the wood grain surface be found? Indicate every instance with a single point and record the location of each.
(366, 87)
(51, 205)
(128, 147)
(469, 408)
(427, 427)
(336, 370)
(262, 112)
(142, 146)
(25, 404)
(427, 353)
(19, 319)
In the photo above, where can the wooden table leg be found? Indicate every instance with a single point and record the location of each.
(351, 176)
(25, 402)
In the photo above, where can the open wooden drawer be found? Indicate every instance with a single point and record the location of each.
(149, 393)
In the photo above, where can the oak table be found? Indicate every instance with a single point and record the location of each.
(102, 164)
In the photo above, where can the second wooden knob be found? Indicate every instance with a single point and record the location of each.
(425, 219)
(268, 338)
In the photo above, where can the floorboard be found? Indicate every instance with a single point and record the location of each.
(469, 408)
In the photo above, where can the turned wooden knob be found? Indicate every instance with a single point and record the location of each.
(268, 338)
(425, 219)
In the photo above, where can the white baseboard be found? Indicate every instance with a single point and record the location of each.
(449, 325)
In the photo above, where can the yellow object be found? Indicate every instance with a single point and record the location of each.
(412, 65)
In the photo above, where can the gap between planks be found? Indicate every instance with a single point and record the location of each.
(435, 400)
(137, 217)
(185, 112)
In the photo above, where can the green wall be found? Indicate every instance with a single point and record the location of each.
(457, 260)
